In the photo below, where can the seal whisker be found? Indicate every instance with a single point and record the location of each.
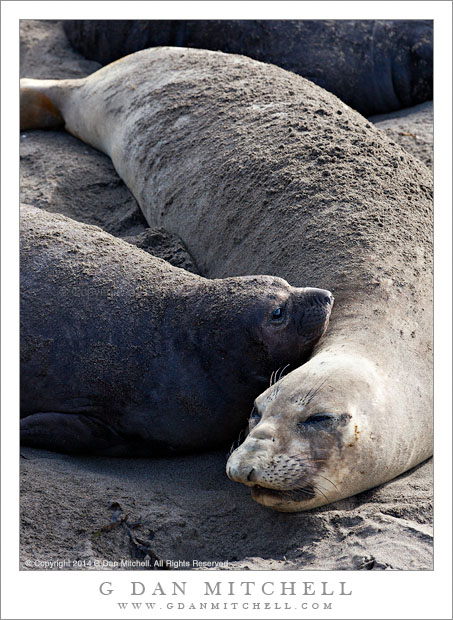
(316, 389)
(302, 458)
(282, 371)
(308, 396)
(322, 493)
(231, 450)
(305, 490)
(332, 483)
(314, 486)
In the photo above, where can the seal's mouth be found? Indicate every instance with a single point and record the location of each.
(265, 495)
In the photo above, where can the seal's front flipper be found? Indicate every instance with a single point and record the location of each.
(69, 433)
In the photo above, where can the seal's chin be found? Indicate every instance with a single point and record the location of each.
(275, 498)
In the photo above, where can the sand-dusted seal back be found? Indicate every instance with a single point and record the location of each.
(259, 170)
(124, 354)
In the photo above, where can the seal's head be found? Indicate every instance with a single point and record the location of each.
(308, 434)
(286, 321)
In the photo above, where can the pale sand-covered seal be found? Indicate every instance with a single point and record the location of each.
(259, 170)
(124, 354)
(308, 447)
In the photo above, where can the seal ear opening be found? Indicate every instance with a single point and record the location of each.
(37, 110)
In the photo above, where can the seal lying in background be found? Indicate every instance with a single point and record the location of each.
(123, 354)
(375, 66)
(259, 170)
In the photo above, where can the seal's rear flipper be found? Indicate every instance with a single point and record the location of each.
(69, 433)
(39, 105)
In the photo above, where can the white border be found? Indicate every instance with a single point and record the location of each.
(423, 594)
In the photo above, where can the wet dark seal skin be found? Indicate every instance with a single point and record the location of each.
(375, 66)
(124, 354)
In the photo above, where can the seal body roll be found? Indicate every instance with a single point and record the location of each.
(123, 354)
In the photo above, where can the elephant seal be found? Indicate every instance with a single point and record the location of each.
(124, 354)
(375, 66)
(307, 447)
(261, 171)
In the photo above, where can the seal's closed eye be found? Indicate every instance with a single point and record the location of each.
(319, 421)
(324, 421)
(319, 417)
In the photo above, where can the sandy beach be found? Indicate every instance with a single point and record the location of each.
(89, 513)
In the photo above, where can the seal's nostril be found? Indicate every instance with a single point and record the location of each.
(325, 297)
(249, 477)
(318, 297)
(322, 299)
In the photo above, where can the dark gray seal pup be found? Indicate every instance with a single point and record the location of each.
(375, 66)
(261, 171)
(124, 354)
